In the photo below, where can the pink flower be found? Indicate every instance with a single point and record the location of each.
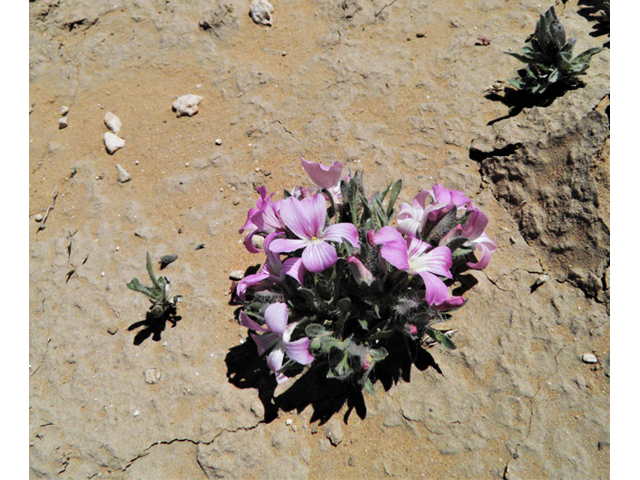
(473, 231)
(277, 334)
(262, 219)
(412, 218)
(273, 271)
(417, 257)
(326, 177)
(306, 219)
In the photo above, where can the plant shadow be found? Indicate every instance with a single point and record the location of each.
(518, 100)
(153, 325)
(326, 396)
(593, 11)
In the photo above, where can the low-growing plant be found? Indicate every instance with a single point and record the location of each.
(549, 58)
(158, 292)
(339, 280)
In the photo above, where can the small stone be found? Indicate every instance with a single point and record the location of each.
(152, 375)
(288, 422)
(136, 413)
(236, 275)
(589, 358)
(112, 122)
(64, 110)
(186, 105)
(261, 12)
(112, 142)
(63, 123)
(102, 274)
(38, 217)
(111, 330)
(257, 241)
(334, 433)
(124, 176)
(218, 141)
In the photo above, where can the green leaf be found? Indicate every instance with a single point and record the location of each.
(441, 338)
(136, 286)
(395, 191)
(368, 386)
(152, 275)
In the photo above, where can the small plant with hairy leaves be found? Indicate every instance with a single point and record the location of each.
(158, 292)
(549, 58)
(339, 281)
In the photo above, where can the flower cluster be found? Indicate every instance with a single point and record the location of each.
(339, 280)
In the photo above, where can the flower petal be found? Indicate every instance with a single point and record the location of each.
(246, 283)
(246, 321)
(394, 247)
(280, 245)
(340, 231)
(435, 290)
(319, 255)
(475, 226)
(324, 177)
(274, 360)
(436, 261)
(276, 317)
(265, 342)
(294, 268)
(298, 351)
(306, 217)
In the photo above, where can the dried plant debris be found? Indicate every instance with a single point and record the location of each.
(165, 260)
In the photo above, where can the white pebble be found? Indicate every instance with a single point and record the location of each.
(289, 421)
(37, 217)
(218, 141)
(102, 274)
(261, 12)
(112, 142)
(112, 122)
(136, 413)
(63, 122)
(124, 176)
(117, 249)
(589, 358)
(186, 105)
(64, 110)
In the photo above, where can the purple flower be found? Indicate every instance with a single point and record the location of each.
(273, 271)
(412, 218)
(473, 231)
(326, 177)
(416, 257)
(277, 334)
(306, 220)
(262, 219)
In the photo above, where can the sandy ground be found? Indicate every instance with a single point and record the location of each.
(392, 88)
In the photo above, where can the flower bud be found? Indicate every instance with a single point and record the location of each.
(360, 272)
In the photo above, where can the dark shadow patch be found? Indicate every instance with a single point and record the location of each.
(518, 100)
(326, 396)
(153, 325)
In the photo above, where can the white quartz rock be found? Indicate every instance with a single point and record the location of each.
(112, 142)
(123, 176)
(262, 12)
(186, 105)
(112, 122)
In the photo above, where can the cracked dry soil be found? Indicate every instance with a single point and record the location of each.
(394, 88)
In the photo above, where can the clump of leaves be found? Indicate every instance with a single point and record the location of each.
(549, 58)
(158, 292)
